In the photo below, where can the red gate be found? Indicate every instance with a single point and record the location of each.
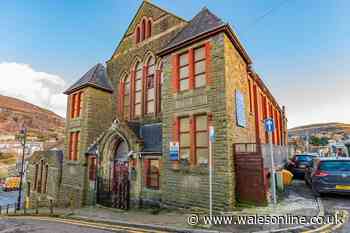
(251, 183)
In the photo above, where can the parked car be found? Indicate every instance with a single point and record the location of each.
(298, 164)
(329, 175)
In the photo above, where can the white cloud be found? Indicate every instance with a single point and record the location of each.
(39, 88)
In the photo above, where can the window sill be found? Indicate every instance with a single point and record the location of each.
(72, 162)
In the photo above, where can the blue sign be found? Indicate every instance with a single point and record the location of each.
(240, 109)
(174, 150)
(269, 125)
(212, 133)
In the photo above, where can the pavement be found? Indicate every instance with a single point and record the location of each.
(297, 200)
(332, 202)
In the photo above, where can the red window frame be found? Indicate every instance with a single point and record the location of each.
(196, 131)
(184, 132)
(76, 104)
(149, 181)
(150, 84)
(126, 93)
(195, 61)
(73, 145)
(187, 65)
(250, 95)
(92, 168)
(138, 77)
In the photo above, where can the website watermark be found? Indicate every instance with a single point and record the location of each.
(287, 219)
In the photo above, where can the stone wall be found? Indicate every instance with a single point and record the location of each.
(165, 27)
(96, 117)
(235, 79)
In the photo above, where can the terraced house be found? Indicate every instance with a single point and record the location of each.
(168, 80)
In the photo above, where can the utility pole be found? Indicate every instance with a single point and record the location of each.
(23, 140)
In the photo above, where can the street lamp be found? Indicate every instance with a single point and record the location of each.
(22, 137)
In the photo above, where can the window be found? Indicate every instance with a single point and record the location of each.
(36, 177)
(201, 134)
(45, 179)
(74, 146)
(150, 87)
(250, 95)
(184, 135)
(143, 30)
(184, 72)
(76, 105)
(160, 87)
(153, 174)
(138, 90)
(149, 28)
(40, 177)
(92, 168)
(126, 97)
(193, 138)
(199, 67)
(137, 35)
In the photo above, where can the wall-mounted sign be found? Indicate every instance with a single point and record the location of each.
(174, 151)
(240, 109)
(269, 125)
(212, 134)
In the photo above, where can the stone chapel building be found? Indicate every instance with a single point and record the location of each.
(168, 80)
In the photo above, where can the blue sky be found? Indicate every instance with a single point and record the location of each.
(301, 48)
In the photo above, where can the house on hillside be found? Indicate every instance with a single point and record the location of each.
(168, 80)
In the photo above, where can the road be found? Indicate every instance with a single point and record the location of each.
(334, 202)
(49, 225)
(8, 198)
(24, 226)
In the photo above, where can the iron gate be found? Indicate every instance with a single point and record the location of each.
(115, 191)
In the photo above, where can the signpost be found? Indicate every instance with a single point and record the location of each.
(211, 140)
(270, 128)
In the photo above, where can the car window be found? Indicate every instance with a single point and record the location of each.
(304, 158)
(335, 166)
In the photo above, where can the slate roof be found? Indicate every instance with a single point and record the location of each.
(96, 77)
(205, 21)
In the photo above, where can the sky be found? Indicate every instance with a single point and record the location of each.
(300, 48)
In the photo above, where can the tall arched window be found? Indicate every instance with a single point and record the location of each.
(160, 86)
(126, 97)
(138, 90)
(149, 28)
(150, 87)
(143, 30)
(137, 35)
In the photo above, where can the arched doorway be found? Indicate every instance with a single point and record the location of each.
(114, 190)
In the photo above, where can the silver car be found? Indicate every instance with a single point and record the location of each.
(329, 175)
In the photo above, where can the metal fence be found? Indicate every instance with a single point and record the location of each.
(281, 154)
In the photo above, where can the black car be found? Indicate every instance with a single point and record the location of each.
(329, 175)
(298, 164)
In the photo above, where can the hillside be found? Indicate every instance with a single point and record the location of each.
(40, 122)
(324, 128)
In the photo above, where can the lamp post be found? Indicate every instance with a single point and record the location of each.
(22, 138)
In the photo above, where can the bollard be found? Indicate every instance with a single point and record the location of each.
(37, 207)
(51, 207)
(25, 207)
(0, 209)
(15, 207)
(7, 209)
